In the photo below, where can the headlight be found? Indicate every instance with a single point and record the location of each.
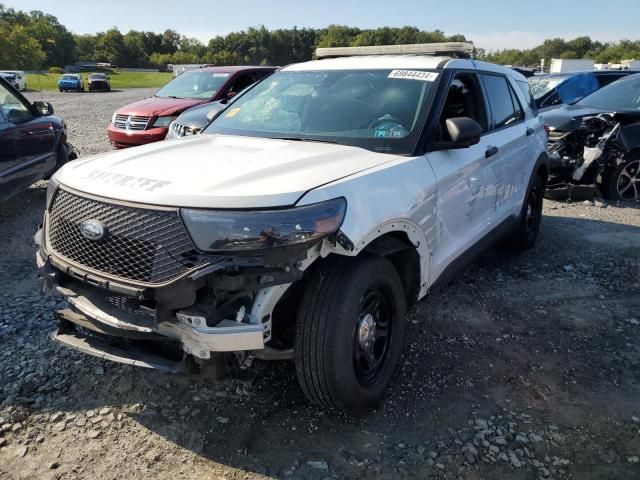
(113, 117)
(163, 121)
(52, 186)
(238, 231)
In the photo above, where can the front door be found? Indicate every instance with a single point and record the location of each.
(463, 175)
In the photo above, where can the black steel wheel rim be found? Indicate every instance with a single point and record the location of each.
(532, 209)
(373, 335)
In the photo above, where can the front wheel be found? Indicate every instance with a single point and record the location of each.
(350, 333)
(623, 182)
(526, 232)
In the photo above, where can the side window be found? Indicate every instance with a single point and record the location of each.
(263, 74)
(12, 107)
(501, 100)
(516, 105)
(604, 80)
(243, 81)
(464, 99)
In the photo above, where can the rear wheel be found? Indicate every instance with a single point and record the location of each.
(525, 235)
(350, 333)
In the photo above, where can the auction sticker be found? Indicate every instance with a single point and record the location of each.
(232, 113)
(414, 75)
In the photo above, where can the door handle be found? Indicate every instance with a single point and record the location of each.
(491, 151)
(530, 131)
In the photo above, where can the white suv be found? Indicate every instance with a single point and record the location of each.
(304, 221)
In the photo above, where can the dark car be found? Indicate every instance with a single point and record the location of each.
(596, 143)
(555, 89)
(148, 120)
(33, 142)
(99, 81)
(192, 121)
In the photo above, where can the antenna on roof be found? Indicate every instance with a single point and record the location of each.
(449, 49)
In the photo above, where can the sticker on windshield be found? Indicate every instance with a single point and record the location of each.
(215, 75)
(232, 113)
(414, 75)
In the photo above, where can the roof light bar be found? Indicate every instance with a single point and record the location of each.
(454, 49)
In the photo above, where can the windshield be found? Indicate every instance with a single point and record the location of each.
(97, 76)
(621, 95)
(69, 77)
(197, 84)
(540, 86)
(380, 110)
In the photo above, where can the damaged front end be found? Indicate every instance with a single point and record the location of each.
(585, 152)
(171, 288)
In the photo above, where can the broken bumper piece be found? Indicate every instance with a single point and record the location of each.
(97, 327)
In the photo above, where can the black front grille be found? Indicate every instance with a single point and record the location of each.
(143, 245)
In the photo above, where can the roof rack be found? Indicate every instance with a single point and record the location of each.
(453, 49)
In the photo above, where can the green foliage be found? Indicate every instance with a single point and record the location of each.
(580, 47)
(35, 39)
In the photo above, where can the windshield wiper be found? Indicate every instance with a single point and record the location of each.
(299, 139)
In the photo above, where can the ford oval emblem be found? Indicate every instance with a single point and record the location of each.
(93, 230)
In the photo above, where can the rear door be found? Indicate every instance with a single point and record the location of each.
(510, 144)
(31, 140)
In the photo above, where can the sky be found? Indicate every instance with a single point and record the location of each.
(491, 24)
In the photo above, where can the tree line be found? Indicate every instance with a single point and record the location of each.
(36, 40)
(580, 47)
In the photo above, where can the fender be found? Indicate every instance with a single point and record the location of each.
(413, 232)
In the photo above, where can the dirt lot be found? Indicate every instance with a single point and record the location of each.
(524, 367)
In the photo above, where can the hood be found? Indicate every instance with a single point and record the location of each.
(151, 106)
(197, 116)
(568, 118)
(217, 171)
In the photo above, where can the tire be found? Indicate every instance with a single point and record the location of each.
(623, 181)
(60, 90)
(337, 368)
(525, 234)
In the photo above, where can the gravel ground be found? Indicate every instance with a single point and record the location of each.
(524, 367)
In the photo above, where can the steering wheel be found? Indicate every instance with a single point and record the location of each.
(386, 118)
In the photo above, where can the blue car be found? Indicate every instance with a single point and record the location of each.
(555, 89)
(71, 81)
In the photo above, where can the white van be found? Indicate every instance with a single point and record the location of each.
(20, 80)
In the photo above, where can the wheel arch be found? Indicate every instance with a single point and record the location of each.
(404, 244)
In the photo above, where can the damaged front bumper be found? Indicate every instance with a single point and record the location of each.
(107, 320)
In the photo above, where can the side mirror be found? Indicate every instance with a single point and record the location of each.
(43, 108)
(464, 131)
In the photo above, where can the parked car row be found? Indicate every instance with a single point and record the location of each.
(148, 120)
(75, 82)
